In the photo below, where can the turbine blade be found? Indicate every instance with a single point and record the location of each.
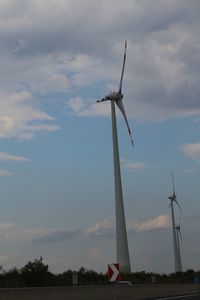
(180, 221)
(179, 232)
(173, 183)
(178, 205)
(120, 85)
(102, 100)
(121, 108)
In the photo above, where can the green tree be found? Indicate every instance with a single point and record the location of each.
(35, 273)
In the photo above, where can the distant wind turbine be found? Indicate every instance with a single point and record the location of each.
(121, 234)
(177, 259)
(179, 238)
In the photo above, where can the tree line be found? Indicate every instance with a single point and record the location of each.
(37, 274)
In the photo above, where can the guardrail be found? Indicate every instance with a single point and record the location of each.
(136, 292)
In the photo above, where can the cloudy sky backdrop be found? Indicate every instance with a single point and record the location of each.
(57, 57)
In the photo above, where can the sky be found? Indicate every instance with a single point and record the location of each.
(57, 57)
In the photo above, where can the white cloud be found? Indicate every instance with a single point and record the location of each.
(54, 236)
(38, 235)
(102, 228)
(10, 157)
(21, 118)
(6, 258)
(159, 223)
(94, 253)
(84, 108)
(36, 239)
(49, 46)
(190, 171)
(4, 226)
(192, 151)
(130, 165)
(76, 104)
(106, 227)
(6, 229)
(5, 173)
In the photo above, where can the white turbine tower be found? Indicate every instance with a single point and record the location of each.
(121, 234)
(173, 198)
(178, 238)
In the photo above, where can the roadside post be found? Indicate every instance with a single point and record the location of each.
(75, 278)
(114, 276)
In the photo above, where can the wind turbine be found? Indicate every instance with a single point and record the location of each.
(173, 199)
(121, 234)
(178, 238)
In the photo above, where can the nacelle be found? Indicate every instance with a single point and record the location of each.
(114, 96)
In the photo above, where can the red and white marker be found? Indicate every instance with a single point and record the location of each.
(113, 272)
